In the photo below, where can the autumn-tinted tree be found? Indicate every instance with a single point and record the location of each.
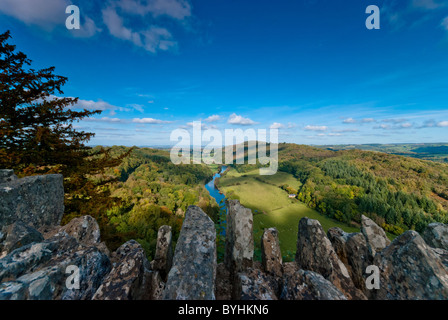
(37, 135)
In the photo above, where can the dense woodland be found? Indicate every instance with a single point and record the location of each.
(153, 192)
(399, 193)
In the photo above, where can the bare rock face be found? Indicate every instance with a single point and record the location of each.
(84, 229)
(338, 239)
(358, 259)
(410, 270)
(315, 253)
(309, 285)
(239, 237)
(436, 235)
(7, 175)
(39, 271)
(375, 236)
(163, 258)
(271, 256)
(37, 200)
(130, 278)
(353, 251)
(193, 273)
(253, 284)
(17, 235)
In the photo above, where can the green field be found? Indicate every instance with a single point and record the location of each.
(272, 207)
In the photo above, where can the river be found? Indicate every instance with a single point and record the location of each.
(214, 192)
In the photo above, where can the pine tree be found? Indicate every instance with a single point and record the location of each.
(37, 135)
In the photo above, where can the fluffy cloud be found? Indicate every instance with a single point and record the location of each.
(149, 121)
(368, 120)
(213, 118)
(276, 125)
(239, 120)
(47, 14)
(316, 128)
(349, 120)
(442, 124)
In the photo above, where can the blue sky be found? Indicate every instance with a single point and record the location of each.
(309, 68)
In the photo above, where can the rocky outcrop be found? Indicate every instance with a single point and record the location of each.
(271, 256)
(163, 258)
(309, 285)
(239, 237)
(17, 235)
(436, 235)
(37, 200)
(39, 271)
(375, 236)
(130, 278)
(193, 273)
(315, 253)
(409, 269)
(353, 251)
(253, 284)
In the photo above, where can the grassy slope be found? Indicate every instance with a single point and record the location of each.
(272, 207)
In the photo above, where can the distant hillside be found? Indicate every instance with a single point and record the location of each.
(398, 192)
(426, 151)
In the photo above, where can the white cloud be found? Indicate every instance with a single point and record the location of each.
(213, 118)
(335, 134)
(149, 121)
(442, 124)
(104, 119)
(316, 128)
(47, 14)
(43, 13)
(368, 120)
(150, 37)
(235, 119)
(276, 125)
(349, 120)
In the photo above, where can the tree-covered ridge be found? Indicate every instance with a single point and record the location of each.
(400, 193)
(154, 192)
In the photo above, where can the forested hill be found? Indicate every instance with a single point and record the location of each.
(152, 192)
(398, 192)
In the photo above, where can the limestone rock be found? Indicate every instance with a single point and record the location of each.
(309, 285)
(7, 175)
(239, 237)
(254, 285)
(39, 271)
(338, 239)
(84, 229)
(163, 258)
(37, 200)
(358, 259)
(271, 256)
(375, 236)
(130, 278)
(436, 235)
(17, 235)
(410, 270)
(315, 253)
(193, 273)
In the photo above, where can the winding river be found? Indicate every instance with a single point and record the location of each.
(214, 192)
